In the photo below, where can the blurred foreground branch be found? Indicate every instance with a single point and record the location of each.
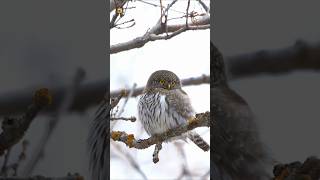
(308, 170)
(15, 128)
(52, 123)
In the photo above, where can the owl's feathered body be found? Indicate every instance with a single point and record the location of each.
(164, 105)
(158, 114)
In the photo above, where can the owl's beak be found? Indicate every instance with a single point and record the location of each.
(169, 86)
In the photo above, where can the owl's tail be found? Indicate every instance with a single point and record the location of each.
(98, 145)
(197, 139)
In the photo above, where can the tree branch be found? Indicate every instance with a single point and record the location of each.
(204, 6)
(132, 119)
(201, 120)
(131, 160)
(300, 56)
(86, 96)
(53, 121)
(116, 3)
(159, 28)
(14, 128)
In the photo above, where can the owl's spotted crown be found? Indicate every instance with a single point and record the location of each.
(163, 79)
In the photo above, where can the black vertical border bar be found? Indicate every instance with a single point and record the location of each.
(211, 107)
(107, 47)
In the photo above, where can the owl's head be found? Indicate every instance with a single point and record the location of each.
(163, 79)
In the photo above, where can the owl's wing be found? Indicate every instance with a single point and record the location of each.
(179, 101)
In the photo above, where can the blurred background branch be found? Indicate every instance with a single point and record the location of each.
(301, 56)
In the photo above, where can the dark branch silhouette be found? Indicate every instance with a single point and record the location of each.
(15, 128)
(87, 95)
(300, 56)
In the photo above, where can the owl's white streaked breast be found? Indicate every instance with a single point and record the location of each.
(156, 114)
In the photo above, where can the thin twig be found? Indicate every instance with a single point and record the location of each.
(5, 163)
(204, 6)
(187, 12)
(22, 157)
(127, 99)
(131, 160)
(133, 23)
(117, 4)
(155, 5)
(119, 112)
(185, 170)
(132, 119)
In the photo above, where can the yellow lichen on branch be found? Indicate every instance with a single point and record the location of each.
(115, 135)
(130, 140)
(42, 97)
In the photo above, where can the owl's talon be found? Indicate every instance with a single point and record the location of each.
(155, 160)
(191, 120)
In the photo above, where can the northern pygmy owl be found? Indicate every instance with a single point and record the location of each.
(164, 105)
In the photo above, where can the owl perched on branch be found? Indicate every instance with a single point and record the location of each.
(164, 105)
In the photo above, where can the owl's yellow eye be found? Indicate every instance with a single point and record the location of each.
(162, 81)
(173, 83)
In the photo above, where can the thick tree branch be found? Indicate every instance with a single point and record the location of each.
(139, 42)
(201, 120)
